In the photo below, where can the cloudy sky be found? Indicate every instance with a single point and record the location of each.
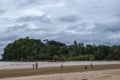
(88, 21)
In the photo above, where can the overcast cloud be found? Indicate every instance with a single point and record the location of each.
(88, 21)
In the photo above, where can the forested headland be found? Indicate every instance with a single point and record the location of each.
(27, 49)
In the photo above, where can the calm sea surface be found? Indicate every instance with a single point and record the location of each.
(12, 65)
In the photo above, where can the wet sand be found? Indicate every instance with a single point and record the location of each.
(113, 74)
(7, 73)
(18, 65)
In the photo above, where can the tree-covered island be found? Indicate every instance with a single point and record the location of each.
(34, 49)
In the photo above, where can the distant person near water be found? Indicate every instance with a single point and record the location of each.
(36, 65)
(33, 66)
(61, 66)
(91, 66)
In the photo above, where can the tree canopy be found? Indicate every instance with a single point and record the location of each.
(35, 49)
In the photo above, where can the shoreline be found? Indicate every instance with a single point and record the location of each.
(18, 65)
(7, 73)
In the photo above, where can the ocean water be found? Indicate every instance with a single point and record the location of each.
(12, 65)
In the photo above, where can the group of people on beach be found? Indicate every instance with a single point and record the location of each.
(35, 66)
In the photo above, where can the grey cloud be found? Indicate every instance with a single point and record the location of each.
(42, 29)
(69, 18)
(1, 51)
(2, 12)
(78, 27)
(40, 19)
(17, 27)
(24, 3)
(117, 15)
(2, 44)
(8, 37)
(107, 27)
(92, 38)
(26, 29)
(70, 37)
(27, 2)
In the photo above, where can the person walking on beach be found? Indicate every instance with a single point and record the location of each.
(36, 65)
(33, 66)
(91, 66)
(61, 66)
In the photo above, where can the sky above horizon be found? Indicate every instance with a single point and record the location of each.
(87, 21)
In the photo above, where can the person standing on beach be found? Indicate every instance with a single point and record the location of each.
(33, 66)
(91, 66)
(61, 66)
(36, 65)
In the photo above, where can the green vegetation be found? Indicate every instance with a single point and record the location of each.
(35, 49)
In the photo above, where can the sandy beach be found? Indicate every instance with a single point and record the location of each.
(70, 72)
(89, 75)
